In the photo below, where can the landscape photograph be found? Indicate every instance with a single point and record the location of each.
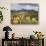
(24, 13)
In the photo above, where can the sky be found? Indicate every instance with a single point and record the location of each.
(25, 6)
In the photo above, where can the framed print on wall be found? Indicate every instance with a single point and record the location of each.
(24, 13)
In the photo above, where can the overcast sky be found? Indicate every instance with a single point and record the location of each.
(25, 6)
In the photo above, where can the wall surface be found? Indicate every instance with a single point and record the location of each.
(23, 30)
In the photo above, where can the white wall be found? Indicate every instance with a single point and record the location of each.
(23, 30)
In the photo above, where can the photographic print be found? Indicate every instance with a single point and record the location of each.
(24, 13)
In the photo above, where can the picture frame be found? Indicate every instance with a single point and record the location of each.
(24, 13)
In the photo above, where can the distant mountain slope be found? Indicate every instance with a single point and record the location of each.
(23, 10)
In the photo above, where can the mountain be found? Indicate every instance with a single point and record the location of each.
(24, 10)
